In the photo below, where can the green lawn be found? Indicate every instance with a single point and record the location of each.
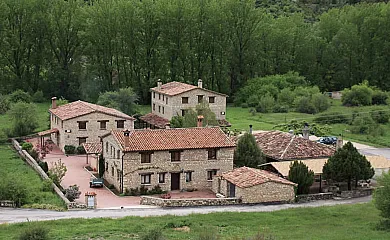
(337, 222)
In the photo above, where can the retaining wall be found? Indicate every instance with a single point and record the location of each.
(314, 197)
(188, 202)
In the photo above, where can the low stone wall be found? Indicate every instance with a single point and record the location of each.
(31, 161)
(356, 193)
(188, 202)
(314, 197)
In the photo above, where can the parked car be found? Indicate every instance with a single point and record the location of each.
(96, 182)
(328, 140)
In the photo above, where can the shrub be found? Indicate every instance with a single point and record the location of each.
(381, 116)
(44, 166)
(305, 105)
(280, 109)
(20, 96)
(134, 191)
(14, 190)
(72, 193)
(253, 100)
(265, 104)
(34, 233)
(143, 190)
(156, 190)
(62, 101)
(80, 150)
(358, 95)
(363, 124)
(38, 97)
(331, 118)
(69, 149)
(379, 97)
(153, 234)
(320, 102)
(47, 185)
(382, 195)
(57, 172)
(4, 104)
(24, 118)
(244, 105)
(27, 146)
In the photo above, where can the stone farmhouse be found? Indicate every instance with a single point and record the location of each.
(80, 122)
(175, 98)
(174, 159)
(254, 186)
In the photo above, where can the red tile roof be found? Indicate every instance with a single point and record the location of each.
(47, 132)
(285, 146)
(245, 177)
(174, 138)
(175, 88)
(93, 147)
(80, 108)
(155, 120)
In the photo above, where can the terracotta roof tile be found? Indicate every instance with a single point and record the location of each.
(80, 108)
(284, 146)
(245, 177)
(175, 138)
(175, 88)
(155, 120)
(93, 147)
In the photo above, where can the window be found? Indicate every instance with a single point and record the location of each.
(120, 123)
(106, 147)
(161, 178)
(112, 171)
(103, 124)
(82, 140)
(212, 153)
(82, 125)
(163, 110)
(159, 96)
(183, 112)
(154, 107)
(145, 178)
(118, 175)
(175, 156)
(154, 94)
(118, 153)
(113, 151)
(166, 100)
(145, 157)
(200, 98)
(210, 174)
(211, 99)
(159, 108)
(163, 98)
(106, 166)
(184, 100)
(188, 176)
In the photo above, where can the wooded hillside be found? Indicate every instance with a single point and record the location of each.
(75, 49)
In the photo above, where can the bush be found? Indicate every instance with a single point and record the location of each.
(305, 105)
(69, 149)
(72, 193)
(143, 190)
(320, 102)
(265, 104)
(27, 146)
(44, 166)
(34, 154)
(80, 150)
(280, 109)
(363, 124)
(358, 95)
(380, 116)
(24, 118)
(4, 104)
(14, 190)
(379, 97)
(3, 137)
(34, 233)
(382, 195)
(20, 96)
(253, 100)
(153, 234)
(38, 97)
(57, 172)
(332, 118)
(244, 105)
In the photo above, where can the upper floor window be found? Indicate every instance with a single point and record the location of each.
(154, 94)
(211, 174)
(145, 178)
(103, 124)
(82, 125)
(106, 147)
(107, 166)
(200, 98)
(154, 107)
(118, 175)
(212, 153)
(163, 97)
(159, 108)
(166, 100)
(175, 156)
(211, 99)
(159, 96)
(112, 171)
(163, 110)
(82, 140)
(118, 153)
(146, 157)
(184, 100)
(120, 123)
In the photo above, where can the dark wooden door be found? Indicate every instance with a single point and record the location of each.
(232, 190)
(175, 181)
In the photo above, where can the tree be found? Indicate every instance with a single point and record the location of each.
(299, 173)
(382, 195)
(248, 152)
(24, 118)
(190, 118)
(124, 100)
(348, 164)
(57, 172)
(317, 130)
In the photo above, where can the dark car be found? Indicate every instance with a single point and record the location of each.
(96, 182)
(328, 140)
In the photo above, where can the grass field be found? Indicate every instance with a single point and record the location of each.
(338, 222)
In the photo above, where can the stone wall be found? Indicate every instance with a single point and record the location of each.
(190, 202)
(314, 197)
(355, 193)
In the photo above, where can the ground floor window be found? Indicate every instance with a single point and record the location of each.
(161, 178)
(188, 176)
(118, 175)
(145, 178)
(211, 173)
(82, 140)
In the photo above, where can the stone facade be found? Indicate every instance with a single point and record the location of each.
(266, 192)
(70, 134)
(194, 164)
(168, 106)
(190, 202)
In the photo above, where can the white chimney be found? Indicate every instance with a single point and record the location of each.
(200, 121)
(200, 85)
(250, 129)
(339, 143)
(53, 102)
(291, 132)
(159, 83)
(306, 131)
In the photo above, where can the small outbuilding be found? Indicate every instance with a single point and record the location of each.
(254, 186)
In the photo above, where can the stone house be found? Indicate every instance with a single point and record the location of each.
(79, 122)
(174, 159)
(175, 98)
(254, 186)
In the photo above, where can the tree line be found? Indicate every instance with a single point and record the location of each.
(78, 49)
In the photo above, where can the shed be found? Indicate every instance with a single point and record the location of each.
(254, 186)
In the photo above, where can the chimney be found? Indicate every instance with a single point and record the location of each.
(291, 132)
(200, 121)
(159, 83)
(53, 102)
(200, 85)
(339, 143)
(126, 134)
(250, 129)
(306, 131)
